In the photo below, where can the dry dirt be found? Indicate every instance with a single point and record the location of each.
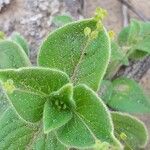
(32, 18)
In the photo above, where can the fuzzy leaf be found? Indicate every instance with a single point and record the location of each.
(128, 35)
(69, 50)
(12, 55)
(28, 89)
(91, 121)
(57, 111)
(118, 55)
(137, 38)
(48, 142)
(106, 90)
(20, 40)
(3, 102)
(76, 134)
(130, 131)
(128, 96)
(14, 133)
(61, 20)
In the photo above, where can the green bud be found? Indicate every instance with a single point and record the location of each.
(9, 86)
(87, 31)
(94, 34)
(123, 136)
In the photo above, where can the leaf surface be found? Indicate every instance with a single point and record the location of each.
(20, 40)
(30, 89)
(14, 133)
(12, 55)
(128, 96)
(61, 20)
(69, 50)
(57, 111)
(48, 142)
(130, 131)
(91, 121)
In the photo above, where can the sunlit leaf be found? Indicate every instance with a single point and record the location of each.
(57, 110)
(69, 50)
(91, 122)
(28, 89)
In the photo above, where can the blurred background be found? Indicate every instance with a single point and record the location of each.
(34, 20)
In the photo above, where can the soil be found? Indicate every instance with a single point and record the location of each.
(33, 19)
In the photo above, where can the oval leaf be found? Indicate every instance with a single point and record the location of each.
(57, 111)
(12, 55)
(62, 20)
(91, 121)
(20, 40)
(127, 96)
(68, 49)
(130, 131)
(29, 88)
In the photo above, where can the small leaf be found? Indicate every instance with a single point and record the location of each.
(91, 121)
(20, 40)
(137, 38)
(128, 97)
(61, 20)
(128, 35)
(130, 131)
(69, 50)
(32, 88)
(14, 133)
(12, 55)
(57, 111)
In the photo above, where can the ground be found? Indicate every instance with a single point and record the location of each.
(33, 19)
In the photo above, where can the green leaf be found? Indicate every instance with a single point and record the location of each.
(12, 55)
(17, 134)
(48, 142)
(14, 133)
(128, 97)
(28, 89)
(137, 38)
(57, 111)
(76, 134)
(130, 131)
(3, 102)
(20, 40)
(2, 35)
(138, 54)
(69, 50)
(106, 90)
(61, 20)
(118, 55)
(130, 34)
(91, 122)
